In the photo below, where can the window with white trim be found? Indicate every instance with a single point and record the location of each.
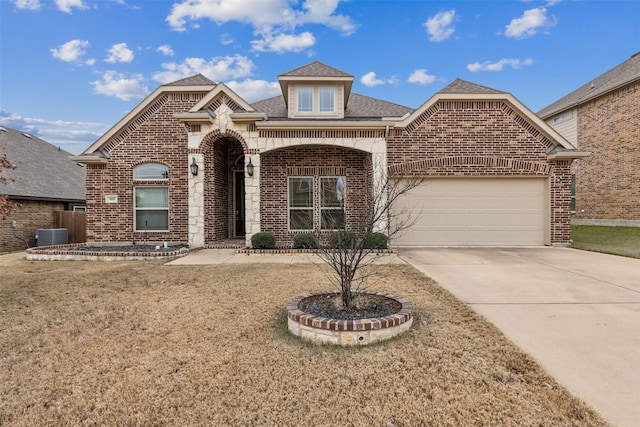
(301, 203)
(332, 193)
(151, 208)
(316, 203)
(327, 96)
(150, 171)
(305, 100)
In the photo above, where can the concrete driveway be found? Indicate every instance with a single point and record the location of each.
(577, 313)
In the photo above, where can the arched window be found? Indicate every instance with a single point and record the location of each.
(150, 171)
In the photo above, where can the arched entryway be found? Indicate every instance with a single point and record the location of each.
(224, 190)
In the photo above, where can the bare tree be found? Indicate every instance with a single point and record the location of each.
(5, 203)
(348, 251)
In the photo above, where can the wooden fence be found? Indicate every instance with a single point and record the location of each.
(75, 222)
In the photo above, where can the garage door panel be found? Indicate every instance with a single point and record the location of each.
(475, 212)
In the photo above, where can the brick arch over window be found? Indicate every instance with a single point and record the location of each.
(469, 165)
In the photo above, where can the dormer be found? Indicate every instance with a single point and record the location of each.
(316, 91)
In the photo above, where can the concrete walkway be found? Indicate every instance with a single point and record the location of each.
(577, 313)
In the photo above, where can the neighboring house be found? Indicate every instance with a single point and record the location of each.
(44, 180)
(289, 164)
(603, 117)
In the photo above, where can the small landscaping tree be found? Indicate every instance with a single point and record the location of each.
(347, 251)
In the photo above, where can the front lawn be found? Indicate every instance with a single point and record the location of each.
(623, 241)
(140, 343)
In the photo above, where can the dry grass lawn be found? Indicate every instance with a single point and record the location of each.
(140, 343)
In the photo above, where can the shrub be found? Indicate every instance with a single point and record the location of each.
(376, 240)
(342, 240)
(305, 241)
(263, 240)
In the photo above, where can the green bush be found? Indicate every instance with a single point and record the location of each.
(376, 240)
(305, 241)
(342, 240)
(263, 240)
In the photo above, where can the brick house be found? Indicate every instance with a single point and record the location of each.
(603, 117)
(195, 163)
(43, 182)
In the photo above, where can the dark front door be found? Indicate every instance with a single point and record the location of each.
(239, 203)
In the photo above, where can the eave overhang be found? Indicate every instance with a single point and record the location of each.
(248, 117)
(88, 159)
(568, 155)
(199, 117)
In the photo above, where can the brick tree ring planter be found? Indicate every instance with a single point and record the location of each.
(348, 332)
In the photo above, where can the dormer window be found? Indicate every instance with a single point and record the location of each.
(305, 100)
(316, 101)
(327, 96)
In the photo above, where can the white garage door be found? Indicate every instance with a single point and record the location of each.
(475, 212)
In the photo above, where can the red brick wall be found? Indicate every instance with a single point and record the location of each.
(470, 138)
(29, 216)
(155, 137)
(608, 181)
(277, 166)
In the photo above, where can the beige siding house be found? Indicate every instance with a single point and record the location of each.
(603, 117)
(196, 164)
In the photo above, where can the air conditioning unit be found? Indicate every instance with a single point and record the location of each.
(52, 236)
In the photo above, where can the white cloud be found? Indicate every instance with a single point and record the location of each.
(440, 27)
(165, 49)
(70, 51)
(122, 87)
(255, 90)
(265, 16)
(371, 80)
(226, 39)
(66, 5)
(281, 43)
(119, 53)
(28, 4)
(221, 68)
(421, 77)
(499, 65)
(528, 24)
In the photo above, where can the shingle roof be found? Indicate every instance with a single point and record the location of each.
(197, 80)
(315, 69)
(616, 77)
(43, 171)
(358, 107)
(465, 87)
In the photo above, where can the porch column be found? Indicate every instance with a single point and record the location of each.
(252, 198)
(196, 202)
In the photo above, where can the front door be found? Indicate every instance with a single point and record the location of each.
(238, 196)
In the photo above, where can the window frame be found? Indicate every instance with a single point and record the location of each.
(150, 165)
(311, 188)
(341, 208)
(137, 209)
(321, 91)
(307, 90)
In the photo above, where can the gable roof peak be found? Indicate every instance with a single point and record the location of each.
(315, 69)
(464, 87)
(195, 80)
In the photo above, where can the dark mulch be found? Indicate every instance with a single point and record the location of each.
(366, 307)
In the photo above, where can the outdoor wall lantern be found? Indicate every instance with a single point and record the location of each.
(194, 167)
(250, 168)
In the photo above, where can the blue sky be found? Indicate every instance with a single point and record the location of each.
(70, 69)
